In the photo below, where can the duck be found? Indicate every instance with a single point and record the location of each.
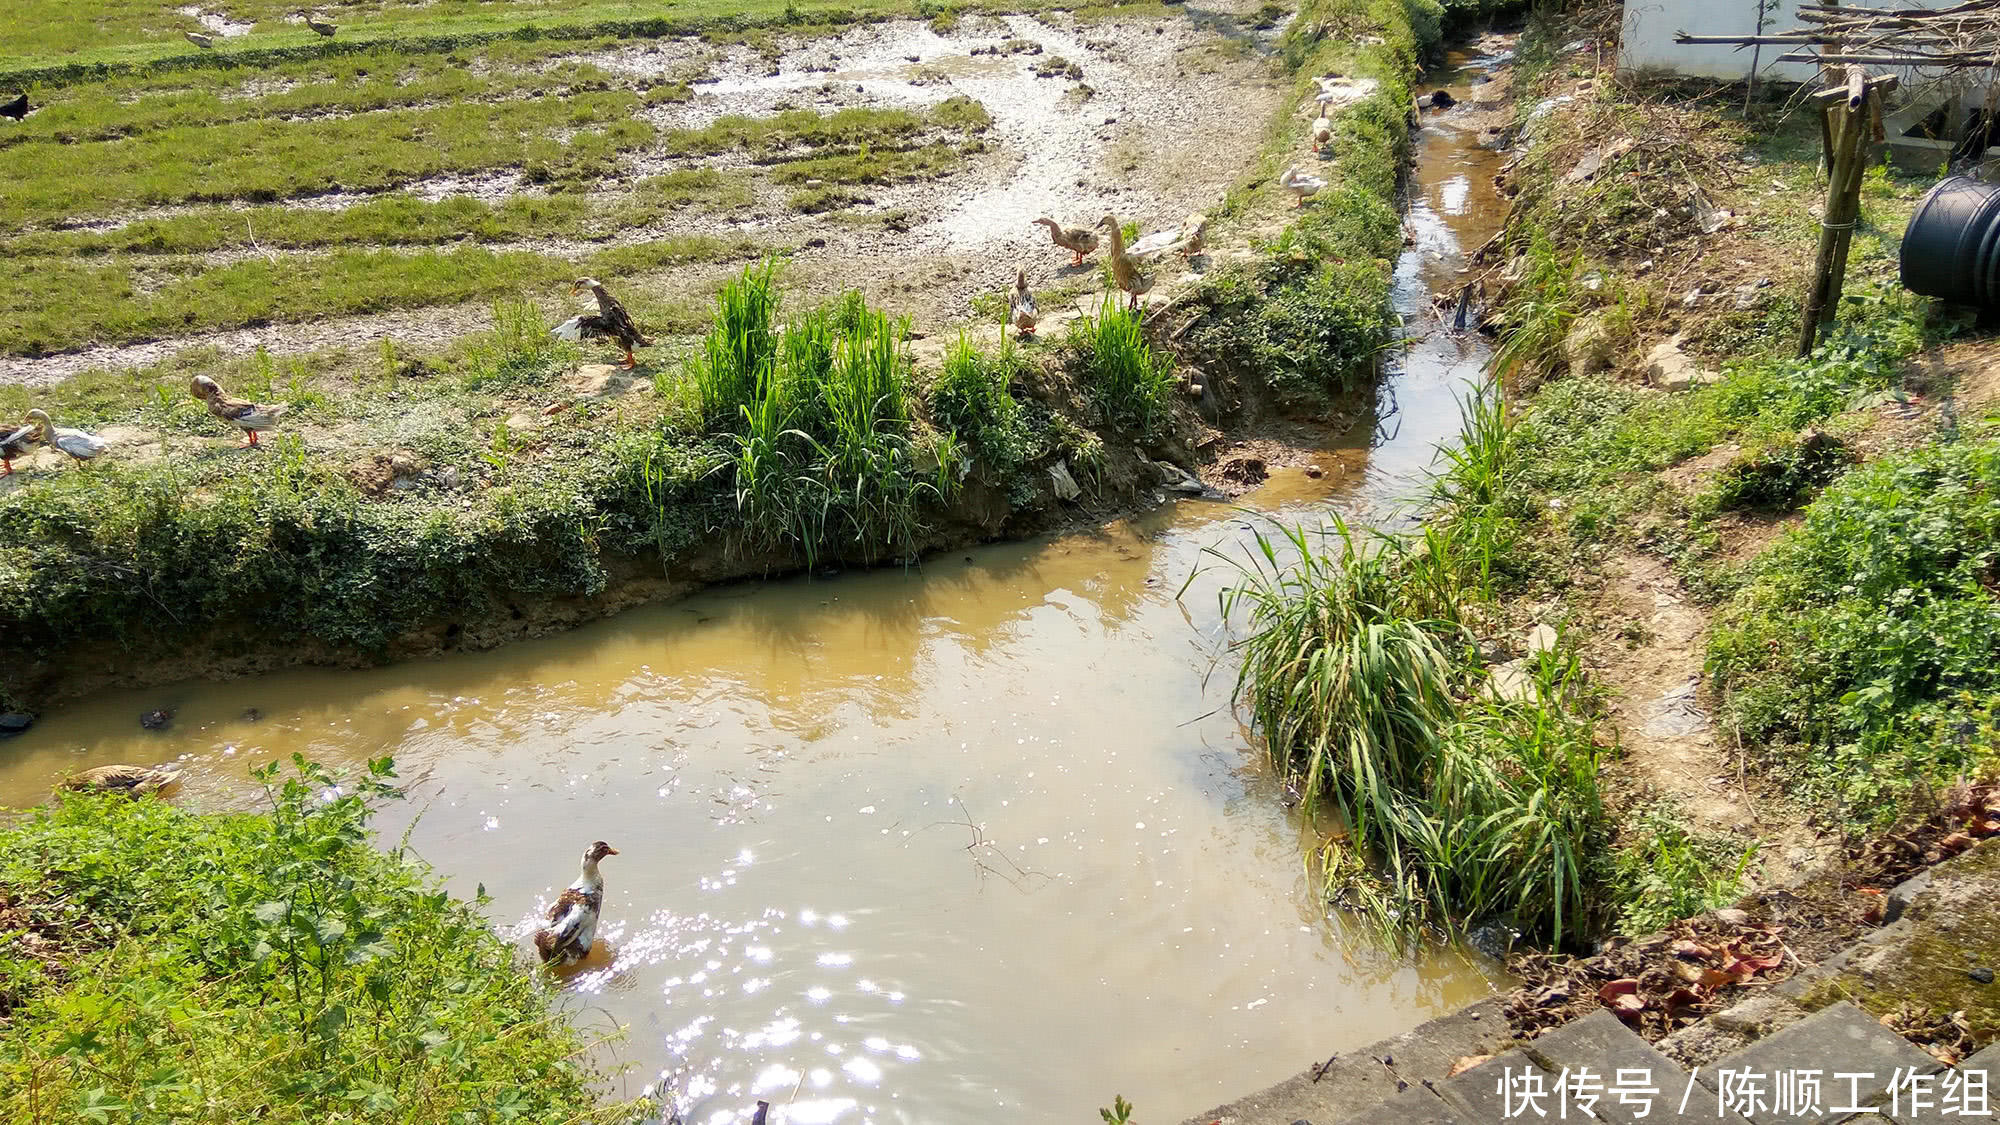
(16, 445)
(319, 25)
(1300, 184)
(1184, 240)
(1132, 276)
(573, 919)
(611, 322)
(199, 40)
(79, 445)
(136, 781)
(250, 417)
(1021, 308)
(1076, 240)
(1322, 133)
(16, 109)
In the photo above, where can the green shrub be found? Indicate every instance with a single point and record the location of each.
(1665, 871)
(269, 967)
(1870, 638)
(970, 398)
(1455, 814)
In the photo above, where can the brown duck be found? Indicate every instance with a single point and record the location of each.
(612, 322)
(1076, 240)
(250, 417)
(573, 919)
(135, 780)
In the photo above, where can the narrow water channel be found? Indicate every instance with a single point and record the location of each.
(976, 842)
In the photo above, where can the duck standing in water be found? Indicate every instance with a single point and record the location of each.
(611, 322)
(249, 417)
(573, 919)
(80, 446)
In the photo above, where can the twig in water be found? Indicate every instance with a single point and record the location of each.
(979, 847)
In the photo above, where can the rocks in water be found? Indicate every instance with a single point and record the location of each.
(15, 722)
(1245, 470)
(1441, 99)
(157, 720)
(251, 715)
(1314, 472)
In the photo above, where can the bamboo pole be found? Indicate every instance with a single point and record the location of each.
(1851, 127)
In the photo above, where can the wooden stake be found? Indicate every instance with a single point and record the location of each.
(1850, 129)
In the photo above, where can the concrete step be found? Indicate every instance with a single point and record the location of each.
(1840, 1039)
(1628, 1066)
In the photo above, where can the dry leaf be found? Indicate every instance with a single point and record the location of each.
(1465, 1064)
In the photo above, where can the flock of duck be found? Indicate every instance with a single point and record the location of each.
(82, 446)
(1133, 266)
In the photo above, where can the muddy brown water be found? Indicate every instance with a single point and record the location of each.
(980, 841)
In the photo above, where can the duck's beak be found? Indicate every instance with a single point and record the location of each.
(611, 851)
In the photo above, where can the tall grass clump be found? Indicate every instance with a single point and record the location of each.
(1127, 380)
(518, 353)
(1354, 668)
(820, 416)
(971, 399)
(273, 966)
(737, 354)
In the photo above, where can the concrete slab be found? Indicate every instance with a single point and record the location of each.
(1987, 1061)
(1603, 1045)
(1840, 1039)
(1478, 1094)
(1370, 1076)
(1414, 1106)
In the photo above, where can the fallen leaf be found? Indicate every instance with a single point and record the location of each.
(1682, 998)
(1465, 1064)
(1692, 950)
(1713, 979)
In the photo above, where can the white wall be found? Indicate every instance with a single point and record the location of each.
(1650, 27)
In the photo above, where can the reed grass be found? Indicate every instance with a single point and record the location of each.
(1130, 382)
(1355, 669)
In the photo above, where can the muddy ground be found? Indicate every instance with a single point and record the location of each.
(1089, 119)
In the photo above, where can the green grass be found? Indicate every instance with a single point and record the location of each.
(273, 966)
(57, 305)
(1866, 649)
(1455, 814)
(267, 160)
(820, 414)
(1129, 381)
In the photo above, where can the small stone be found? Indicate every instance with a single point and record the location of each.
(1315, 472)
(1732, 916)
(251, 714)
(14, 722)
(1541, 639)
(157, 720)
(1982, 974)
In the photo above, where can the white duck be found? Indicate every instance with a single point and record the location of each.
(80, 446)
(1186, 240)
(1300, 184)
(1021, 310)
(573, 919)
(1322, 133)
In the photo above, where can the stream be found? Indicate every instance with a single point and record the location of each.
(980, 841)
